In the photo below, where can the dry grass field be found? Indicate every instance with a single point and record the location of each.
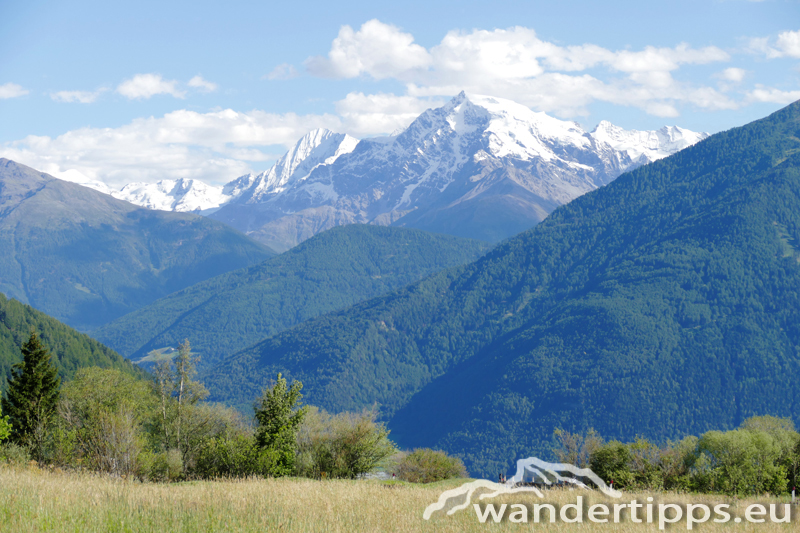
(33, 499)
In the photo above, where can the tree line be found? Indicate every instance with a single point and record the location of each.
(761, 456)
(162, 429)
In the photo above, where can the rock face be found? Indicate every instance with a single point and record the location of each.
(478, 167)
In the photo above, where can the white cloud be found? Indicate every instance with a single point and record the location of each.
(665, 59)
(380, 113)
(787, 44)
(511, 63)
(214, 147)
(83, 97)
(733, 74)
(772, 96)
(148, 85)
(204, 85)
(284, 71)
(12, 90)
(377, 49)
(515, 63)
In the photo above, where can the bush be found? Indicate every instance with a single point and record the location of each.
(5, 426)
(346, 445)
(739, 462)
(162, 466)
(102, 414)
(14, 453)
(426, 466)
(574, 448)
(238, 456)
(612, 462)
(61, 446)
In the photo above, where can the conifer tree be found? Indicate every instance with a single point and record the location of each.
(32, 395)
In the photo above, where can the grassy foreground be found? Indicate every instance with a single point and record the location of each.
(33, 499)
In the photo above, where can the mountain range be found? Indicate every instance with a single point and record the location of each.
(86, 258)
(663, 304)
(332, 270)
(478, 167)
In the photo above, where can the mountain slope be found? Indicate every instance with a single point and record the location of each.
(86, 258)
(330, 271)
(72, 350)
(478, 167)
(666, 302)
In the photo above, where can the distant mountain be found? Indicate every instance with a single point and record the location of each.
(183, 195)
(330, 271)
(478, 167)
(318, 147)
(72, 350)
(644, 147)
(86, 258)
(663, 304)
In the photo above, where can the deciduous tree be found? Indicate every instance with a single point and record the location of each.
(279, 415)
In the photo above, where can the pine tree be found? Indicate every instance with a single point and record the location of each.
(32, 395)
(279, 417)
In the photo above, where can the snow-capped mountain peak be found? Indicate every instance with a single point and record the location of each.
(317, 147)
(646, 146)
(478, 166)
(517, 131)
(174, 195)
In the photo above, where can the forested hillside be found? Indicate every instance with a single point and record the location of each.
(665, 303)
(332, 270)
(86, 258)
(72, 350)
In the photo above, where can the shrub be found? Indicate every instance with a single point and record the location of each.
(612, 462)
(14, 453)
(738, 462)
(101, 421)
(346, 445)
(5, 426)
(162, 466)
(238, 456)
(574, 448)
(426, 466)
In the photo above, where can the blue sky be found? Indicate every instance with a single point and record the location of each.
(162, 90)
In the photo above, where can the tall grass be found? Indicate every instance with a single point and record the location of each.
(33, 499)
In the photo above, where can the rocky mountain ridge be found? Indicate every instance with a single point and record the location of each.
(479, 167)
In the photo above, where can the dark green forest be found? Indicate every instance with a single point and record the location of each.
(72, 350)
(330, 271)
(87, 258)
(664, 304)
